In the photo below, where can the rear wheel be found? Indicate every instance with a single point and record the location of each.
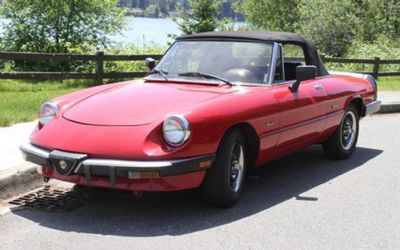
(343, 142)
(223, 183)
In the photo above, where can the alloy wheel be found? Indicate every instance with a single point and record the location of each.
(236, 167)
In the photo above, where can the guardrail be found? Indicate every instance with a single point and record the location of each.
(99, 58)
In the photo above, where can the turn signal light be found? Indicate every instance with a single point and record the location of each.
(205, 164)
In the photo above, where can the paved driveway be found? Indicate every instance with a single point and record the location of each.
(304, 201)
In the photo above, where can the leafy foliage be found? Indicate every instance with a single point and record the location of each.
(202, 16)
(333, 24)
(59, 25)
(383, 47)
(379, 18)
(274, 15)
(330, 23)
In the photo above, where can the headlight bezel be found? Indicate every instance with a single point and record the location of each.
(186, 130)
(44, 119)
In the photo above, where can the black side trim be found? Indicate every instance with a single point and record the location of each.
(36, 159)
(112, 176)
(88, 176)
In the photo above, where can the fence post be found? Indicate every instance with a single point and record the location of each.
(375, 72)
(99, 67)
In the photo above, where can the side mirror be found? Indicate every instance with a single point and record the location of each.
(150, 63)
(303, 73)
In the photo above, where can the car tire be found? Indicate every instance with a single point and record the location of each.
(342, 143)
(224, 181)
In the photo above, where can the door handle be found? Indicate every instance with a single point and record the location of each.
(318, 86)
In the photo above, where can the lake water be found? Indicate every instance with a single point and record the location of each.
(143, 31)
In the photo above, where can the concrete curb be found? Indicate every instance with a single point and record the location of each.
(19, 180)
(389, 108)
(390, 102)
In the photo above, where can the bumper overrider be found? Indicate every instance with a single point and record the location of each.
(67, 164)
(372, 107)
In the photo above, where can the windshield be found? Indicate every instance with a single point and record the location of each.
(236, 62)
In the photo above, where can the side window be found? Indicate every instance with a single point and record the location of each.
(293, 56)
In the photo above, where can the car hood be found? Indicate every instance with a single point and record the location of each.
(141, 103)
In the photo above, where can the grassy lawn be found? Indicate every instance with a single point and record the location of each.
(20, 100)
(389, 84)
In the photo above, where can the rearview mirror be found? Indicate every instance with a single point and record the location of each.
(150, 63)
(303, 73)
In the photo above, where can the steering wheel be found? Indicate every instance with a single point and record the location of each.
(241, 75)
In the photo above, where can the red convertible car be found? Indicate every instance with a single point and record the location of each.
(216, 105)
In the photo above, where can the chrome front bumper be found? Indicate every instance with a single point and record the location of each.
(67, 163)
(372, 107)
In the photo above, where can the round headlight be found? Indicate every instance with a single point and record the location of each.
(47, 112)
(176, 130)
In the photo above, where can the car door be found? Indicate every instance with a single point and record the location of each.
(302, 113)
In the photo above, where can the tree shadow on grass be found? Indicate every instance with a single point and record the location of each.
(179, 213)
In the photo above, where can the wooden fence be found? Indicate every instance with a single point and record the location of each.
(99, 58)
(376, 65)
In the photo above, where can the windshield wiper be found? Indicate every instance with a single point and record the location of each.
(161, 72)
(209, 76)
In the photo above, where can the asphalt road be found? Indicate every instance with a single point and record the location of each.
(304, 201)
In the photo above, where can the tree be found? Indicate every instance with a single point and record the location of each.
(153, 10)
(202, 16)
(185, 4)
(58, 25)
(274, 15)
(172, 5)
(164, 8)
(143, 4)
(331, 24)
(379, 18)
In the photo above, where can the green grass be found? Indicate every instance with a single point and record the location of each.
(389, 84)
(20, 100)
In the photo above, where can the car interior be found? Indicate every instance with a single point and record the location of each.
(290, 70)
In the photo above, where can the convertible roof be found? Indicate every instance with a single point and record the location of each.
(283, 37)
(310, 50)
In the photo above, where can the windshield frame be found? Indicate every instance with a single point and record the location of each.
(271, 69)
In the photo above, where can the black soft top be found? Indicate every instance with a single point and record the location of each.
(310, 51)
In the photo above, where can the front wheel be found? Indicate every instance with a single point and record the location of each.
(343, 142)
(223, 183)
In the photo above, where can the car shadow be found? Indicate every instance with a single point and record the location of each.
(179, 213)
